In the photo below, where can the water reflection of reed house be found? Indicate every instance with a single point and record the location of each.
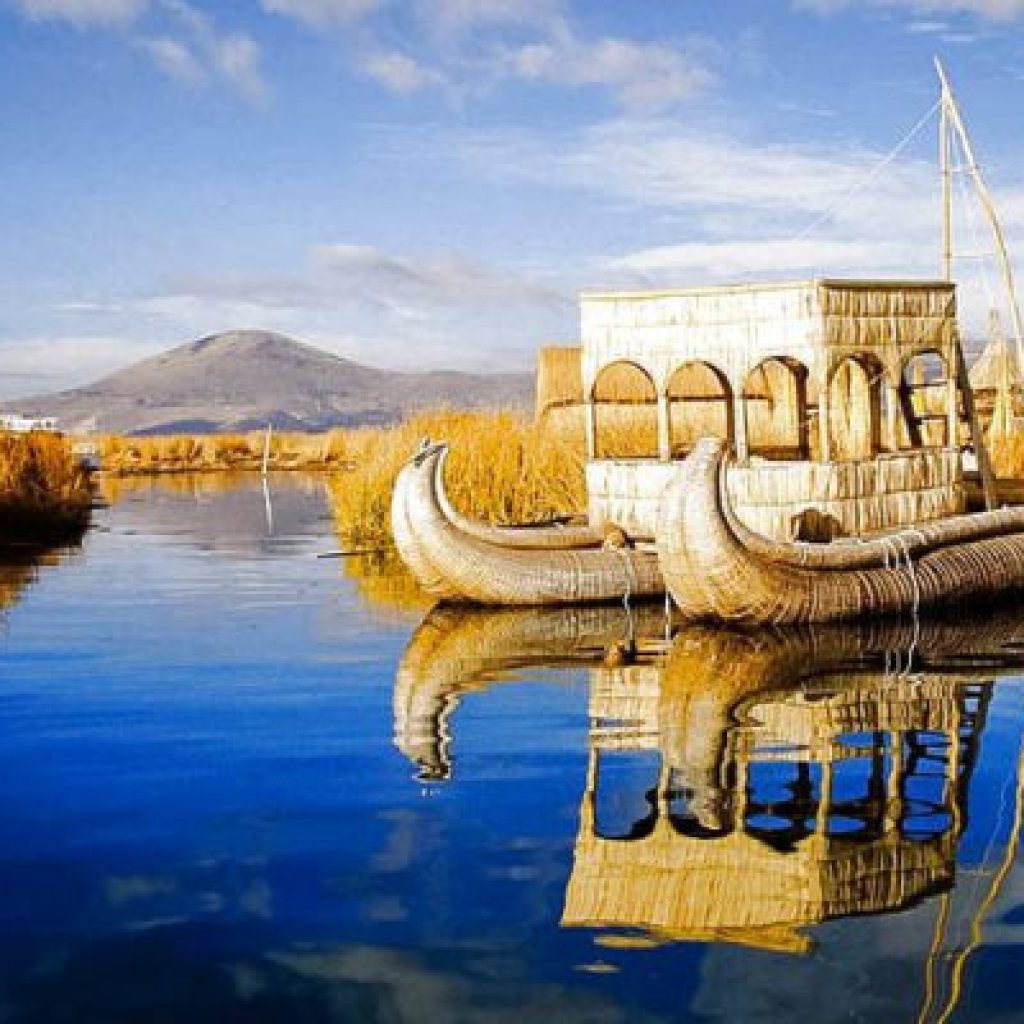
(791, 790)
(790, 777)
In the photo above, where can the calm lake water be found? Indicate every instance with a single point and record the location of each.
(237, 785)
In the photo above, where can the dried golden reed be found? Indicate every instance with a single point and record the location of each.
(44, 490)
(182, 453)
(502, 469)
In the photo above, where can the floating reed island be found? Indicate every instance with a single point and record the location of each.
(45, 493)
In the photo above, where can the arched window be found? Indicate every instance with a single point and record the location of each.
(924, 402)
(775, 402)
(855, 408)
(699, 405)
(625, 413)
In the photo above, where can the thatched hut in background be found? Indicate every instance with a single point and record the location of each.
(996, 382)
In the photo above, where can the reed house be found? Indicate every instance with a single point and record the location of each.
(839, 399)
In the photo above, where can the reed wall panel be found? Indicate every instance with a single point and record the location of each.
(863, 498)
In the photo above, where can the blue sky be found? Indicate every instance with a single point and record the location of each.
(431, 182)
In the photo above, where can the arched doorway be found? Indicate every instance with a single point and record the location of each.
(775, 407)
(699, 405)
(924, 397)
(855, 408)
(625, 413)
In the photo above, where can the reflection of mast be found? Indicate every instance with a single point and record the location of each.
(977, 918)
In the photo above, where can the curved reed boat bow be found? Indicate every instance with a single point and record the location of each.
(716, 570)
(457, 565)
(547, 537)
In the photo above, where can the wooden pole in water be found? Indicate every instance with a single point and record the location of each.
(950, 114)
(266, 449)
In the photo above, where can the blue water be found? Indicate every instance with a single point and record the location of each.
(234, 789)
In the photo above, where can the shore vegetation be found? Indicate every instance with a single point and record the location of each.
(45, 492)
(200, 453)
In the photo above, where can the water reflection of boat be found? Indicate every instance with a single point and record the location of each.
(787, 777)
(456, 651)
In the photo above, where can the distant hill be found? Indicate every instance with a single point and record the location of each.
(240, 380)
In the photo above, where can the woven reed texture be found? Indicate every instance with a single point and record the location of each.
(862, 498)
(454, 565)
(712, 575)
(411, 548)
(817, 322)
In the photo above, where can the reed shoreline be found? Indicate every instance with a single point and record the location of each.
(46, 497)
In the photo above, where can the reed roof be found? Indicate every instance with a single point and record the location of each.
(996, 364)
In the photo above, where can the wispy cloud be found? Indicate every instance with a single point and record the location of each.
(639, 74)
(400, 73)
(742, 209)
(467, 46)
(323, 13)
(182, 41)
(39, 363)
(436, 310)
(82, 12)
(991, 10)
(193, 49)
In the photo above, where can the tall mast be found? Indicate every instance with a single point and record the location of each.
(946, 175)
(951, 117)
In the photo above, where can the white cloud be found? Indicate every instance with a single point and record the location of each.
(174, 58)
(400, 73)
(459, 16)
(434, 311)
(41, 363)
(195, 51)
(640, 74)
(181, 40)
(322, 13)
(991, 10)
(467, 46)
(83, 12)
(723, 208)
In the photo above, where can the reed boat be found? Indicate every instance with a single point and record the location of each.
(718, 570)
(457, 560)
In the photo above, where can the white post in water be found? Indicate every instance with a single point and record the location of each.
(266, 448)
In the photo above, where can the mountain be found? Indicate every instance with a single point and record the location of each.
(240, 380)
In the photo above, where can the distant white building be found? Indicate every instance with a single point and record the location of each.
(19, 424)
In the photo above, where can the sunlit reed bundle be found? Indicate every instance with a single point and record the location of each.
(44, 490)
